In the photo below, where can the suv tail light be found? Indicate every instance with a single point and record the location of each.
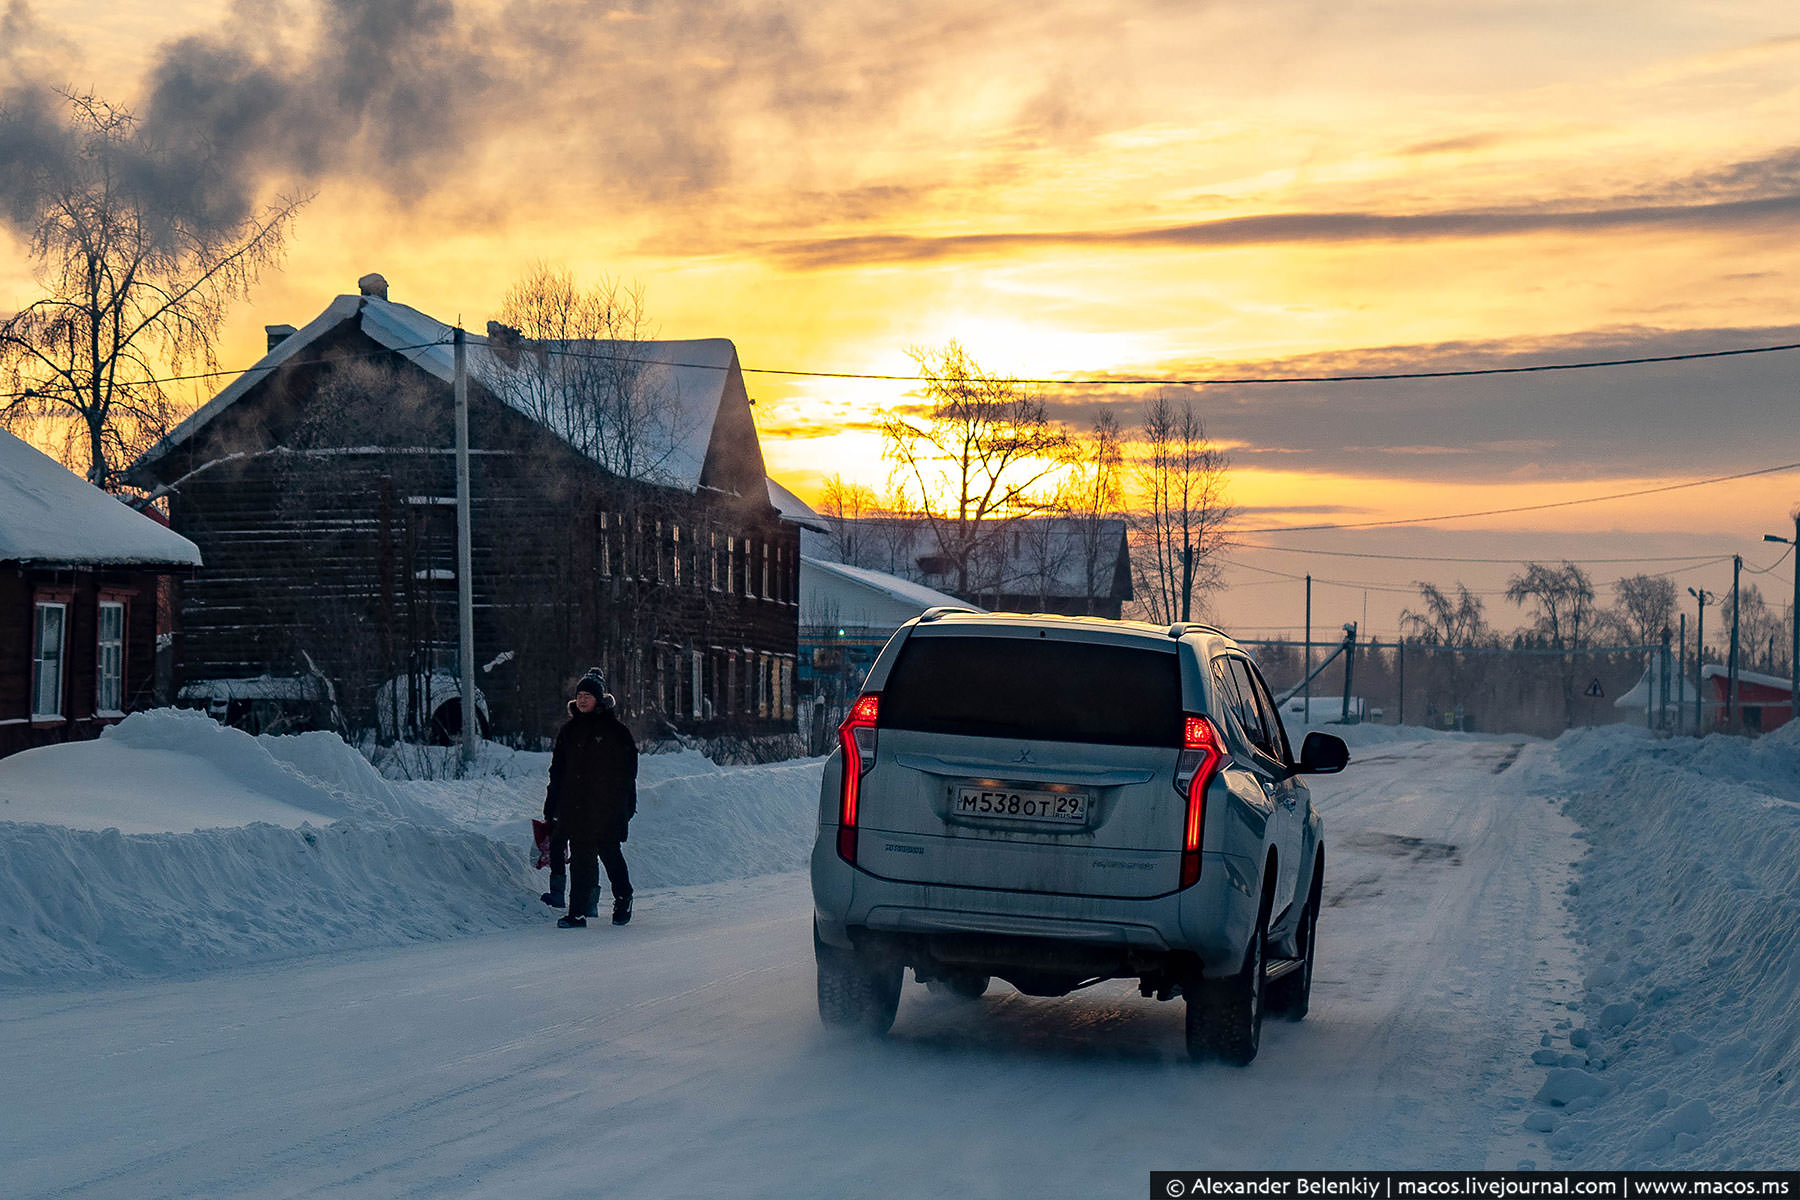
(1202, 750)
(857, 738)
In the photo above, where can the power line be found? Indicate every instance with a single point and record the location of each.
(1497, 512)
(1392, 589)
(1224, 380)
(1087, 380)
(286, 362)
(1444, 559)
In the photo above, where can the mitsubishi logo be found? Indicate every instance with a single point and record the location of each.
(1025, 756)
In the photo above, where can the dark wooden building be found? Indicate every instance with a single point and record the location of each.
(1070, 565)
(621, 517)
(80, 580)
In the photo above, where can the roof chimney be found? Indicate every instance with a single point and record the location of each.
(279, 334)
(372, 285)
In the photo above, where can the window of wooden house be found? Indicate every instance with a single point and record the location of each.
(787, 689)
(697, 685)
(762, 685)
(109, 690)
(731, 556)
(731, 683)
(767, 568)
(49, 631)
(675, 554)
(712, 559)
(602, 544)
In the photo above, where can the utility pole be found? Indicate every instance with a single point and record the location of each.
(1662, 679)
(1731, 674)
(1793, 615)
(1402, 717)
(1703, 597)
(465, 585)
(1349, 667)
(1306, 687)
(1681, 672)
(1187, 582)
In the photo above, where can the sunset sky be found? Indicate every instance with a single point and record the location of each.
(1167, 190)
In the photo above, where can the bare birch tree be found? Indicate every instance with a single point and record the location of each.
(981, 455)
(846, 506)
(1092, 496)
(1451, 623)
(567, 357)
(1646, 607)
(1180, 530)
(135, 292)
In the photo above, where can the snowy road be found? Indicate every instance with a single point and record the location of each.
(681, 1056)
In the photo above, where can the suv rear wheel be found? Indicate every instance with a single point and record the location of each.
(857, 990)
(1224, 1016)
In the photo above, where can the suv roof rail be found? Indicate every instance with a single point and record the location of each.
(1183, 628)
(942, 610)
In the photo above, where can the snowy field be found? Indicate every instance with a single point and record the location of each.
(235, 965)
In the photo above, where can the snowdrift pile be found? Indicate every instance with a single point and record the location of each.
(1686, 1052)
(173, 845)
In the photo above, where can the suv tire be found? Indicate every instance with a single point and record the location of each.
(1291, 995)
(1224, 1016)
(856, 990)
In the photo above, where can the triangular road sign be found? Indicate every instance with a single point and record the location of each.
(1594, 688)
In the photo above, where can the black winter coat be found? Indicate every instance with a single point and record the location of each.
(593, 778)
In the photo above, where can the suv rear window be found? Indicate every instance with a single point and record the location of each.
(1036, 689)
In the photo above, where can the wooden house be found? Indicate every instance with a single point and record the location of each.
(79, 588)
(1069, 565)
(621, 517)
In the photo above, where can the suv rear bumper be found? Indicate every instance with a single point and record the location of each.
(1209, 923)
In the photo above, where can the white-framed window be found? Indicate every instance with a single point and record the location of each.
(787, 689)
(49, 632)
(109, 659)
(697, 689)
(731, 558)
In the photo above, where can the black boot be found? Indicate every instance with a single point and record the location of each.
(622, 910)
(571, 922)
(554, 897)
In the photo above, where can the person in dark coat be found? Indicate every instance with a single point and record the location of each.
(592, 798)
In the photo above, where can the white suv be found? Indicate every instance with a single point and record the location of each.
(1062, 800)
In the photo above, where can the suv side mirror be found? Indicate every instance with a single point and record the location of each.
(1323, 754)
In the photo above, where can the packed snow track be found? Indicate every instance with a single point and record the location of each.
(682, 1055)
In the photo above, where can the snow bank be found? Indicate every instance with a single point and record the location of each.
(80, 906)
(173, 844)
(175, 771)
(697, 822)
(1689, 900)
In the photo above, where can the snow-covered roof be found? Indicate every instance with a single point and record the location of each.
(1720, 671)
(864, 597)
(696, 375)
(1647, 691)
(49, 514)
(795, 510)
(1047, 555)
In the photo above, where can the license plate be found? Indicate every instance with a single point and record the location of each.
(1014, 804)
